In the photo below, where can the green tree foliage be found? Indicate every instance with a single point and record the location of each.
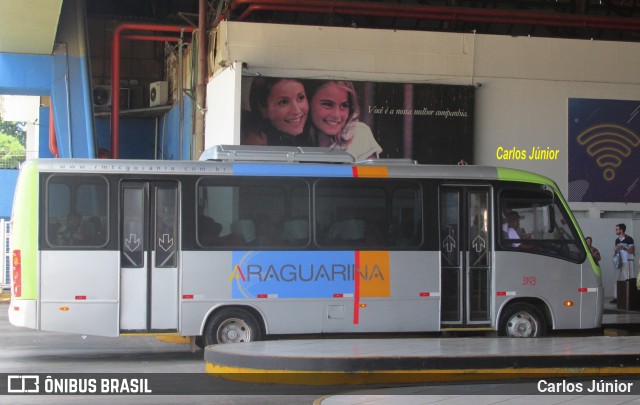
(12, 152)
(12, 144)
(15, 129)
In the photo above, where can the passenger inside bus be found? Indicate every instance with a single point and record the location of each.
(91, 231)
(243, 232)
(268, 228)
(348, 231)
(52, 232)
(69, 234)
(208, 230)
(295, 231)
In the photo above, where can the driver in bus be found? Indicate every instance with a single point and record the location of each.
(512, 227)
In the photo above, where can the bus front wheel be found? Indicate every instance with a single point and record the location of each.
(231, 325)
(522, 320)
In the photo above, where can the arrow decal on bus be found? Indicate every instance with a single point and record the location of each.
(166, 242)
(449, 242)
(132, 243)
(479, 244)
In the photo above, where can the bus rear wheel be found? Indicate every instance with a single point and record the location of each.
(522, 320)
(231, 325)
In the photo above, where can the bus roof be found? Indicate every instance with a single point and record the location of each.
(381, 169)
(276, 161)
(283, 154)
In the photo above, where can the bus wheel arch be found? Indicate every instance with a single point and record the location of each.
(233, 324)
(523, 318)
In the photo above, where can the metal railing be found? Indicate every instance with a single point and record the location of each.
(15, 161)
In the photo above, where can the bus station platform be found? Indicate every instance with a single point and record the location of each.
(411, 360)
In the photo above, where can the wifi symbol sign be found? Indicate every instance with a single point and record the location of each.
(609, 144)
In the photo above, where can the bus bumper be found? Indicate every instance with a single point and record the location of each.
(23, 313)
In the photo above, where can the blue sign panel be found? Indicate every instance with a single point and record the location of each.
(604, 139)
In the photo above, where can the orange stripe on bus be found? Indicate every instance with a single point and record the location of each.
(371, 171)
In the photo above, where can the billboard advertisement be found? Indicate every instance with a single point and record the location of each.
(432, 124)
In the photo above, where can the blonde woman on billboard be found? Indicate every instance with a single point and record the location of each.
(283, 109)
(334, 119)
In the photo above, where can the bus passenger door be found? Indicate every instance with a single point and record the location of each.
(465, 259)
(149, 243)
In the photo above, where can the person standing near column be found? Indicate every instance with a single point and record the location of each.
(623, 246)
(594, 251)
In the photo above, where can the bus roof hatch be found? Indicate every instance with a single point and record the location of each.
(289, 154)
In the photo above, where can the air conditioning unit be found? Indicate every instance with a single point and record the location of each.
(158, 93)
(102, 96)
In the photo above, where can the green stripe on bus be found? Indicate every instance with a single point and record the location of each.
(506, 174)
(25, 236)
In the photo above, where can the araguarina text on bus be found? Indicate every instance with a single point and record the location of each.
(306, 273)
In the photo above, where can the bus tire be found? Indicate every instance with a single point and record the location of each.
(522, 320)
(231, 325)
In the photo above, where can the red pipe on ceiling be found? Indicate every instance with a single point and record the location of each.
(439, 13)
(115, 69)
(153, 38)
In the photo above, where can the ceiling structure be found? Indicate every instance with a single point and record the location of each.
(617, 20)
(581, 19)
(30, 26)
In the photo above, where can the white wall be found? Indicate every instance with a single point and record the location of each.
(522, 98)
(356, 54)
(222, 120)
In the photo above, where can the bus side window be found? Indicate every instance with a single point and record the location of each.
(401, 234)
(244, 232)
(77, 209)
(52, 231)
(261, 213)
(92, 232)
(347, 232)
(368, 213)
(405, 229)
(295, 231)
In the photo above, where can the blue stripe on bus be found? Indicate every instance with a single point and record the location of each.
(250, 169)
(292, 274)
